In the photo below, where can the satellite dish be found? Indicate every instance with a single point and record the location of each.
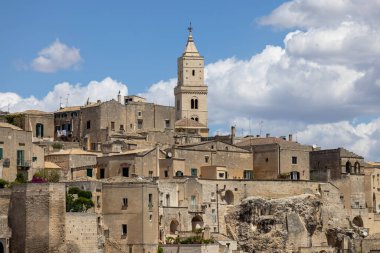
(169, 154)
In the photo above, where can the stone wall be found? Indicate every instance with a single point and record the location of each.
(81, 232)
(37, 218)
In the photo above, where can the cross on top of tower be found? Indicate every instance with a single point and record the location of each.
(190, 28)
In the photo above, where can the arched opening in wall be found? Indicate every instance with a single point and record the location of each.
(196, 222)
(174, 227)
(358, 221)
(348, 167)
(229, 197)
(195, 117)
(39, 130)
(179, 173)
(357, 168)
(1, 248)
(194, 103)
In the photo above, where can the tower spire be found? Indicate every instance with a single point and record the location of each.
(190, 49)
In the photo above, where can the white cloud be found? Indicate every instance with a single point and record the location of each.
(77, 95)
(161, 92)
(57, 56)
(317, 85)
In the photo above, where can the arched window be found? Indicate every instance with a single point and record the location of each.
(179, 173)
(194, 103)
(357, 168)
(229, 197)
(348, 167)
(196, 222)
(174, 226)
(193, 72)
(39, 130)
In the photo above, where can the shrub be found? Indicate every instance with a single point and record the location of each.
(38, 180)
(85, 194)
(57, 145)
(74, 190)
(20, 178)
(3, 183)
(46, 176)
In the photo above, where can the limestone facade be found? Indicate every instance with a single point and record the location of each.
(18, 153)
(334, 164)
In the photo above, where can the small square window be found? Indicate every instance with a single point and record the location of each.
(89, 172)
(139, 114)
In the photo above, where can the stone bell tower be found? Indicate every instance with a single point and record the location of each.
(191, 91)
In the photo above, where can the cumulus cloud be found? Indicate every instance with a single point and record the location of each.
(316, 85)
(76, 94)
(57, 56)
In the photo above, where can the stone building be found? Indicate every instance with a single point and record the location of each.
(130, 215)
(17, 153)
(37, 218)
(332, 164)
(372, 186)
(191, 91)
(67, 124)
(278, 158)
(40, 123)
(137, 162)
(237, 161)
(74, 163)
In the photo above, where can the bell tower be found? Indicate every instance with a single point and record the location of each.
(191, 91)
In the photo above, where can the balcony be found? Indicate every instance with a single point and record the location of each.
(197, 208)
(22, 164)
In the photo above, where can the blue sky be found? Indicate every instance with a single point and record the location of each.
(136, 42)
(306, 67)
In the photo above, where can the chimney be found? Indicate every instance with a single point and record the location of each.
(233, 134)
(119, 97)
(290, 137)
(268, 135)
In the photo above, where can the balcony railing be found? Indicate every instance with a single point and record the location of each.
(23, 164)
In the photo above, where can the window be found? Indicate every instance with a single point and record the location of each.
(121, 127)
(125, 229)
(1, 153)
(20, 157)
(69, 127)
(179, 173)
(167, 123)
(139, 124)
(248, 174)
(112, 125)
(150, 173)
(102, 173)
(194, 103)
(178, 103)
(206, 158)
(139, 114)
(126, 172)
(150, 200)
(221, 174)
(194, 172)
(39, 130)
(195, 118)
(166, 173)
(89, 172)
(193, 72)
(167, 199)
(213, 215)
(125, 202)
(294, 159)
(88, 124)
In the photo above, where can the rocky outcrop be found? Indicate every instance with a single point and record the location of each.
(286, 224)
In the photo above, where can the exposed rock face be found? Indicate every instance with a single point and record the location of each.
(284, 225)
